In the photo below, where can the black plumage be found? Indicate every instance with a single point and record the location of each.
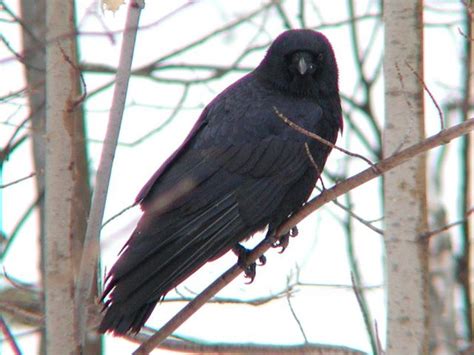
(240, 169)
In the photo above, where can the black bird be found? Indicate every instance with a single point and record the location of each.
(240, 169)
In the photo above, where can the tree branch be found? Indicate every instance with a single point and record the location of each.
(383, 166)
(91, 242)
(9, 337)
(18, 180)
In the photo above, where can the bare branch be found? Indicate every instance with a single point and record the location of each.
(223, 348)
(429, 234)
(91, 241)
(288, 299)
(326, 196)
(358, 218)
(19, 224)
(380, 350)
(18, 180)
(319, 138)
(18, 20)
(364, 311)
(422, 82)
(9, 337)
(83, 96)
(117, 215)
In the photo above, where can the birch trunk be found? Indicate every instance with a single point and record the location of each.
(404, 187)
(34, 55)
(60, 214)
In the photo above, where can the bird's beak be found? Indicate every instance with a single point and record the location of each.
(302, 66)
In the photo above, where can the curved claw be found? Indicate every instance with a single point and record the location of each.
(285, 239)
(250, 270)
(283, 243)
(294, 232)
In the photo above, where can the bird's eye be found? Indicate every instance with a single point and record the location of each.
(320, 57)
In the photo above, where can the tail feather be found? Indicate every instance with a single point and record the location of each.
(121, 323)
(135, 286)
(154, 232)
(201, 254)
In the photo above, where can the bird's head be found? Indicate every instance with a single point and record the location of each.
(301, 62)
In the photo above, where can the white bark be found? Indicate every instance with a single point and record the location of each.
(88, 266)
(404, 187)
(61, 95)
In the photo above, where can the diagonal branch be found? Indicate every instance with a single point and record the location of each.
(381, 167)
(18, 180)
(9, 337)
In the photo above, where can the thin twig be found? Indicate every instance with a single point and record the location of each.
(366, 223)
(360, 219)
(319, 138)
(168, 120)
(311, 159)
(356, 277)
(117, 215)
(383, 166)
(447, 226)
(315, 166)
(7, 150)
(82, 97)
(91, 242)
(380, 350)
(422, 82)
(325, 25)
(9, 337)
(283, 16)
(301, 13)
(14, 233)
(15, 282)
(18, 180)
(288, 299)
(205, 38)
(364, 310)
(18, 20)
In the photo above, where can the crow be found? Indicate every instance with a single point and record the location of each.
(240, 170)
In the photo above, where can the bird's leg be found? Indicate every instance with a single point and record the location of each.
(285, 239)
(250, 270)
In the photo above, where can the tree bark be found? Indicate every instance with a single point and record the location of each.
(405, 186)
(33, 15)
(61, 169)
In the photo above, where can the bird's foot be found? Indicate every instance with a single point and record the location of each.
(285, 239)
(250, 270)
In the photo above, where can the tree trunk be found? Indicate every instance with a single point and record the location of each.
(33, 15)
(405, 186)
(63, 206)
(34, 54)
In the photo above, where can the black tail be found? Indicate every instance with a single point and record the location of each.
(161, 253)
